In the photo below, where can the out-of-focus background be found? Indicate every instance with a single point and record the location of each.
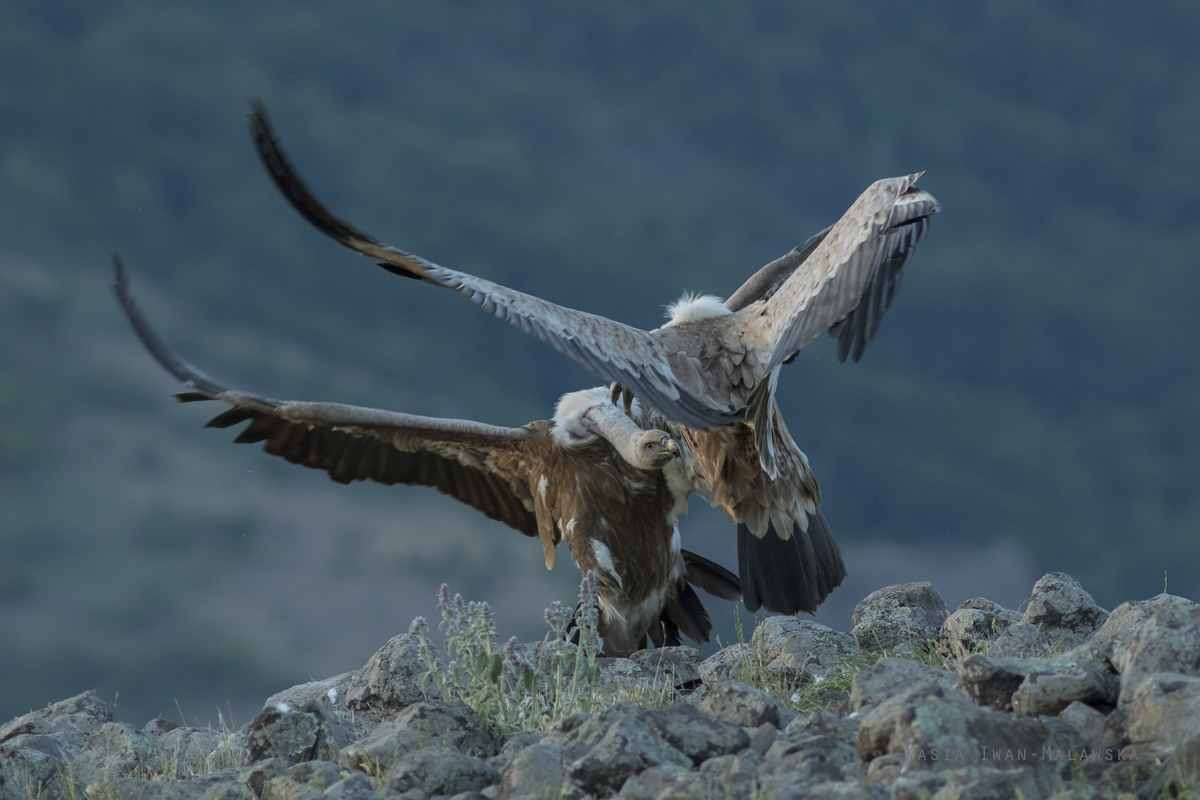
(1029, 405)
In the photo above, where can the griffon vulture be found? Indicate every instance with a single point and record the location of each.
(589, 476)
(713, 367)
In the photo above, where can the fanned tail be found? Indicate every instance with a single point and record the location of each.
(789, 575)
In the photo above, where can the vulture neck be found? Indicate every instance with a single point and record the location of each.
(620, 431)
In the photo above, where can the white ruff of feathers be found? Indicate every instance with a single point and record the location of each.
(695, 307)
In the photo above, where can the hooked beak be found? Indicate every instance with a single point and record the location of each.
(671, 447)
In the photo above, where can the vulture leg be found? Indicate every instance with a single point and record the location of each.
(621, 396)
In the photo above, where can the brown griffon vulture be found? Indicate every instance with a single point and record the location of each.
(712, 369)
(590, 476)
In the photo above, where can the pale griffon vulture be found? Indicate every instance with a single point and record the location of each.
(590, 476)
(713, 367)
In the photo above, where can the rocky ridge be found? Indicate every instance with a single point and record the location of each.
(1065, 700)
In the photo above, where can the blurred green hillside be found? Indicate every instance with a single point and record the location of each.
(1033, 387)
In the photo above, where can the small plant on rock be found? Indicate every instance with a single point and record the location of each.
(509, 692)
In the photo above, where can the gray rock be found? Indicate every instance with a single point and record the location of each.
(157, 727)
(214, 786)
(1164, 711)
(886, 768)
(892, 676)
(1085, 719)
(227, 788)
(917, 784)
(1003, 616)
(231, 752)
(32, 723)
(1061, 609)
(1168, 641)
(287, 788)
(257, 776)
(82, 713)
(321, 774)
(762, 737)
(724, 665)
(393, 678)
(796, 762)
(112, 750)
(800, 650)
(672, 783)
(30, 765)
(696, 696)
(696, 734)
(974, 623)
(733, 777)
(331, 691)
(355, 786)
(1117, 632)
(1019, 640)
(1083, 674)
(819, 722)
(624, 677)
(1177, 776)
(411, 794)
(895, 616)
(989, 783)
(650, 783)
(743, 705)
(35, 747)
(537, 769)
(439, 771)
(850, 790)
(991, 680)
(832, 701)
(184, 751)
(332, 694)
(425, 724)
(679, 666)
(603, 750)
(511, 748)
(928, 719)
(309, 733)
(1115, 735)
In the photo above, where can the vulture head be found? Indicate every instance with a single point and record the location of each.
(653, 450)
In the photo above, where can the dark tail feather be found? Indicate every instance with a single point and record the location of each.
(688, 614)
(792, 575)
(711, 577)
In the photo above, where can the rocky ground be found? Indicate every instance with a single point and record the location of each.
(1065, 700)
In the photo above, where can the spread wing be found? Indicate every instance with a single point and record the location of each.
(611, 350)
(695, 374)
(847, 284)
(480, 465)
